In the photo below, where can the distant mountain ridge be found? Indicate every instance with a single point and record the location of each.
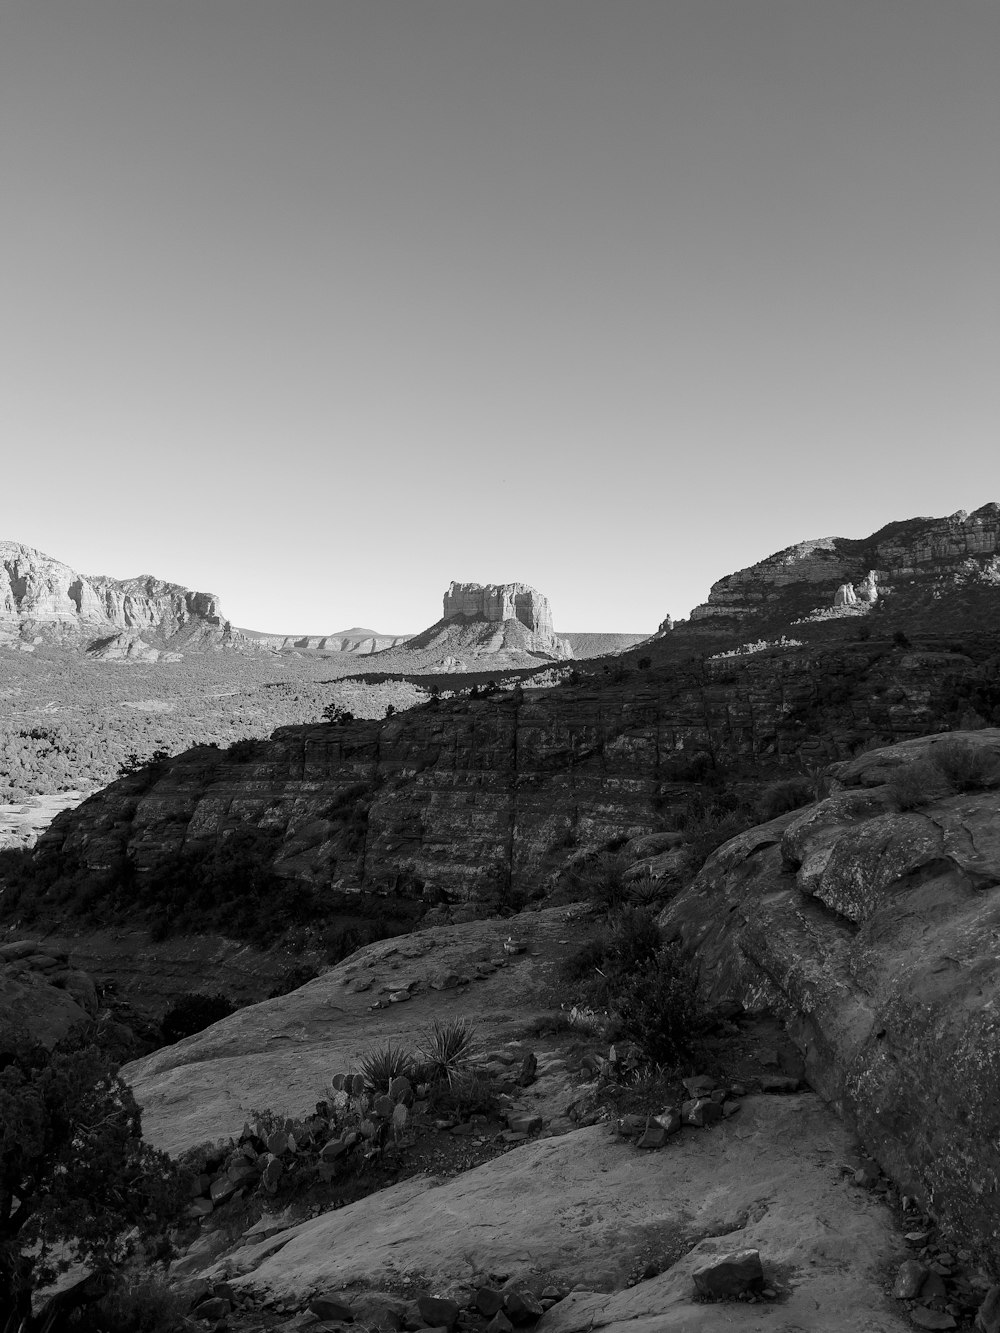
(142, 618)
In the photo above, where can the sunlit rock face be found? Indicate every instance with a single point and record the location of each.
(905, 566)
(43, 596)
(499, 603)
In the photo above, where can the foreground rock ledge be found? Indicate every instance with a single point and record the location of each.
(873, 932)
(583, 1208)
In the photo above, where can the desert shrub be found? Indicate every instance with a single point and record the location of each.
(778, 798)
(384, 1063)
(601, 879)
(585, 962)
(916, 784)
(152, 767)
(632, 938)
(657, 1006)
(468, 1092)
(624, 946)
(705, 835)
(136, 1304)
(965, 767)
(292, 979)
(446, 1048)
(193, 1013)
(77, 1182)
(950, 766)
(243, 750)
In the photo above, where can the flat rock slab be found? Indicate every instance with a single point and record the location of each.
(588, 1208)
(282, 1053)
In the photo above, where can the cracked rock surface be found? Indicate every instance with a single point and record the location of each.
(874, 933)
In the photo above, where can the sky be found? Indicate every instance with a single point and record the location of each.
(321, 304)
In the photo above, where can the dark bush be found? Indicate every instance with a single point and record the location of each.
(949, 766)
(784, 795)
(193, 1013)
(965, 767)
(657, 1006)
(601, 879)
(624, 946)
(77, 1183)
(633, 938)
(292, 980)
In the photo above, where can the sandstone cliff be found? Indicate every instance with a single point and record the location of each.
(482, 798)
(124, 618)
(357, 642)
(920, 567)
(510, 624)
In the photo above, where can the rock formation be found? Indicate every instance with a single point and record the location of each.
(509, 619)
(864, 595)
(42, 993)
(471, 797)
(496, 602)
(357, 642)
(124, 618)
(870, 926)
(907, 565)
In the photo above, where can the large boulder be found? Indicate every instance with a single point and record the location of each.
(872, 930)
(41, 994)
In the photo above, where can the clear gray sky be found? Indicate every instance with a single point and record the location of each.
(319, 304)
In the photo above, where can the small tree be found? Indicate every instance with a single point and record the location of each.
(340, 717)
(77, 1182)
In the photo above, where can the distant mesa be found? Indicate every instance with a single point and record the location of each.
(358, 642)
(511, 605)
(508, 623)
(486, 626)
(138, 619)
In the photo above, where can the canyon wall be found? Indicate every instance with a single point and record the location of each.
(914, 564)
(42, 597)
(474, 799)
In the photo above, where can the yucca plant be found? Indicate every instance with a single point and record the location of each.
(384, 1063)
(446, 1048)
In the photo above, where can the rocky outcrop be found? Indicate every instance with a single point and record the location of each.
(41, 993)
(498, 602)
(357, 642)
(577, 1207)
(507, 604)
(865, 593)
(477, 798)
(43, 597)
(869, 922)
(129, 646)
(908, 567)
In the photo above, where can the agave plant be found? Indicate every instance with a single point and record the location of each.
(384, 1063)
(446, 1048)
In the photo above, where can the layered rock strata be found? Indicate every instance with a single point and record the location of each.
(911, 563)
(869, 923)
(358, 642)
(502, 604)
(42, 596)
(475, 799)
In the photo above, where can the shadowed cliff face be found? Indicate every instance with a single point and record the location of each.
(485, 799)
